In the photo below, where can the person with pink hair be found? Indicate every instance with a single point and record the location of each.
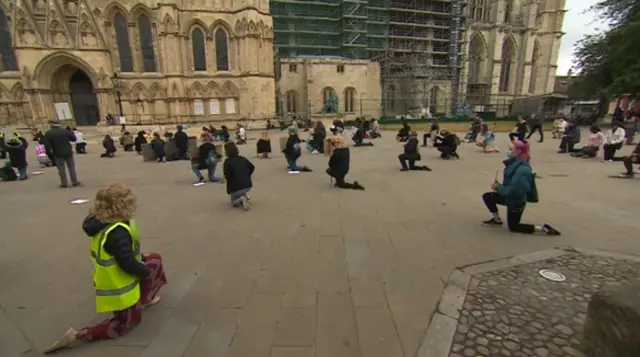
(517, 188)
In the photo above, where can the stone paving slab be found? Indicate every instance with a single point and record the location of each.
(310, 270)
(505, 308)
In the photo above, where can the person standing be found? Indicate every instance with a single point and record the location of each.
(58, 140)
(182, 143)
(536, 125)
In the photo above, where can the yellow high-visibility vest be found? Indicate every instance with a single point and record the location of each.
(116, 290)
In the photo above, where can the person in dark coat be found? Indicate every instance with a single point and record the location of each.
(237, 173)
(403, 133)
(292, 152)
(109, 147)
(319, 134)
(447, 144)
(139, 141)
(570, 138)
(411, 154)
(3, 146)
(58, 142)
(224, 134)
(263, 146)
(157, 145)
(18, 156)
(339, 164)
(359, 135)
(520, 130)
(182, 144)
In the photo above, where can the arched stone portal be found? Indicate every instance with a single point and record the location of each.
(70, 80)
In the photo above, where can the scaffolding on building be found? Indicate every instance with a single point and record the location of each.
(413, 40)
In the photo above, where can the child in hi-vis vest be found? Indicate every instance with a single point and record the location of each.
(126, 281)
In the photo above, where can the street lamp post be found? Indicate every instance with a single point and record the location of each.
(116, 84)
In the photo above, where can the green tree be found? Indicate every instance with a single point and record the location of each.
(608, 61)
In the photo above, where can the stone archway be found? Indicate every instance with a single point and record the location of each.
(68, 79)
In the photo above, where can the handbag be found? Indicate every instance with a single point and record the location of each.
(532, 196)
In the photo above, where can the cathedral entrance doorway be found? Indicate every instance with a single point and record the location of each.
(84, 102)
(72, 86)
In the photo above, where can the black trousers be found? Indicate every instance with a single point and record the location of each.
(514, 214)
(81, 148)
(538, 128)
(410, 158)
(610, 150)
(587, 151)
(516, 136)
(446, 151)
(567, 144)
(340, 182)
(628, 162)
(424, 138)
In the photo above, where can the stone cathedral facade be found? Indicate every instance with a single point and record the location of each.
(153, 61)
(512, 48)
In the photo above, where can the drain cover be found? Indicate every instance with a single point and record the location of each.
(558, 175)
(552, 275)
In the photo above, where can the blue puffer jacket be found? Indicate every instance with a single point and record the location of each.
(517, 182)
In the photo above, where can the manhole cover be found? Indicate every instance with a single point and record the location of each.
(552, 275)
(558, 175)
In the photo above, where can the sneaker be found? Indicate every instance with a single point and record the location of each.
(493, 222)
(550, 231)
(403, 169)
(246, 205)
(426, 168)
(77, 184)
(314, 152)
(306, 169)
(63, 186)
(200, 180)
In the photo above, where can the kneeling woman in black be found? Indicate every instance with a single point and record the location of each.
(339, 164)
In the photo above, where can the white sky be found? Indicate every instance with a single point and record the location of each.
(576, 24)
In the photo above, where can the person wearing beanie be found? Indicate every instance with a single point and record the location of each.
(17, 156)
(517, 188)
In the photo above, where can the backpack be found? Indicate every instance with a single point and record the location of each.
(456, 140)
(532, 196)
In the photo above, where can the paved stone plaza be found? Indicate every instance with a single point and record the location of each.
(310, 270)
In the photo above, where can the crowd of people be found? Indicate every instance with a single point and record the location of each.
(127, 281)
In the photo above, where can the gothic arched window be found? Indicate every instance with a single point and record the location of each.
(7, 55)
(146, 44)
(292, 101)
(480, 10)
(434, 96)
(349, 100)
(391, 97)
(222, 53)
(477, 56)
(198, 47)
(327, 93)
(122, 40)
(507, 59)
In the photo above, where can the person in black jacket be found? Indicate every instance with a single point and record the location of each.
(207, 159)
(263, 146)
(520, 130)
(58, 141)
(18, 156)
(157, 145)
(447, 144)
(223, 134)
(182, 144)
(109, 147)
(237, 172)
(403, 133)
(139, 141)
(3, 147)
(111, 227)
(292, 152)
(358, 137)
(570, 138)
(339, 164)
(319, 134)
(411, 154)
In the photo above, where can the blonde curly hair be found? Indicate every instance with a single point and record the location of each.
(114, 203)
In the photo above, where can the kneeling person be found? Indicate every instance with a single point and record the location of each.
(411, 154)
(237, 172)
(447, 144)
(339, 164)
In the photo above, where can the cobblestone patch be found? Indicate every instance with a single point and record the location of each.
(515, 312)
